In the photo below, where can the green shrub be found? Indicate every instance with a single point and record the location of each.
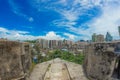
(63, 55)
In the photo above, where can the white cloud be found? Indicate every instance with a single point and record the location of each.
(109, 20)
(52, 36)
(3, 29)
(69, 10)
(24, 35)
(72, 10)
(71, 15)
(70, 36)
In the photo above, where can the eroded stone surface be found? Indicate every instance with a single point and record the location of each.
(59, 70)
(100, 61)
(15, 60)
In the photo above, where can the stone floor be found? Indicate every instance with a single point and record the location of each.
(58, 69)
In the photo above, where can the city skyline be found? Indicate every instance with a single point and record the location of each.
(64, 19)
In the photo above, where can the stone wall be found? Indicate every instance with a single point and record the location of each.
(100, 61)
(15, 60)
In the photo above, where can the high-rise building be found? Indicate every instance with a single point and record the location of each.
(53, 44)
(50, 44)
(60, 43)
(43, 43)
(100, 38)
(94, 37)
(119, 30)
(97, 38)
(108, 37)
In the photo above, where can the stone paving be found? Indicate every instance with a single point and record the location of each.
(58, 69)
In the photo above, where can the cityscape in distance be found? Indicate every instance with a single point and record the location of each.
(59, 40)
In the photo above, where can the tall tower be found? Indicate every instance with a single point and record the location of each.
(94, 37)
(108, 37)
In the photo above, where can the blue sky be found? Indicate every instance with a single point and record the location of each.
(58, 19)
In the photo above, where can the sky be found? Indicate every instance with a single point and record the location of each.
(58, 19)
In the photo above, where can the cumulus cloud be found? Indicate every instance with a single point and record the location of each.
(52, 36)
(24, 35)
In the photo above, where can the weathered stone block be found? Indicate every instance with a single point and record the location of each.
(13, 63)
(100, 61)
